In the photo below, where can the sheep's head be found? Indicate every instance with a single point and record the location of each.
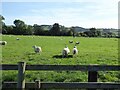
(34, 46)
(75, 46)
(66, 46)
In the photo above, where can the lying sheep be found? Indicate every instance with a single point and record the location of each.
(17, 39)
(77, 43)
(3, 42)
(75, 51)
(70, 41)
(37, 49)
(65, 52)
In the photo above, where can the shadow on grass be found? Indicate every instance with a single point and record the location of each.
(60, 56)
(32, 53)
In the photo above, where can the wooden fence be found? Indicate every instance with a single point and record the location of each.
(92, 83)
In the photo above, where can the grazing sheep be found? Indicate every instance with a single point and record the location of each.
(37, 49)
(70, 41)
(17, 39)
(77, 43)
(3, 42)
(65, 52)
(75, 51)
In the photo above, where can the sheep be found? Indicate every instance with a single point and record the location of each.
(37, 49)
(3, 42)
(77, 43)
(65, 52)
(70, 41)
(75, 51)
(17, 39)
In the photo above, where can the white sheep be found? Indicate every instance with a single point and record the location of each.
(17, 39)
(37, 49)
(65, 52)
(75, 51)
(3, 42)
(71, 41)
(77, 43)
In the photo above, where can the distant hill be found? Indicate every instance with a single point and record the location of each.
(46, 27)
(103, 30)
(79, 29)
(107, 30)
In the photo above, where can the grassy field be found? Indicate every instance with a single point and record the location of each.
(91, 51)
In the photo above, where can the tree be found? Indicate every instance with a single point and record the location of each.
(2, 18)
(99, 33)
(93, 32)
(55, 30)
(110, 34)
(69, 33)
(2, 25)
(88, 34)
(73, 31)
(20, 27)
(9, 29)
(29, 30)
(37, 29)
(3, 28)
(65, 31)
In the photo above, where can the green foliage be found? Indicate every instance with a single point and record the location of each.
(1, 18)
(55, 30)
(93, 32)
(37, 29)
(9, 29)
(21, 28)
(2, 24)
(91, 51)
(9, 76)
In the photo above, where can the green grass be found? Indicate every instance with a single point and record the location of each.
(91, 51)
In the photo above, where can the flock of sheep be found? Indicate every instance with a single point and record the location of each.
(65, 50)
(5, 42)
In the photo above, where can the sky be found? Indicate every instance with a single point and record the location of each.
(83, 13)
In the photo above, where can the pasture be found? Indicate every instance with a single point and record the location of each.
(91, 51)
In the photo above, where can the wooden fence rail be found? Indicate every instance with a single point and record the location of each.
(92, 76)
(62, 85)
(64, 67)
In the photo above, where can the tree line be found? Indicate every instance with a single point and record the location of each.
(20, 28)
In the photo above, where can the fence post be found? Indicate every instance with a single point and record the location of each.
(21, 74)
(37, 84)
(92, 77)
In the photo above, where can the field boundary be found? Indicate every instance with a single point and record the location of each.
(92, 83)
